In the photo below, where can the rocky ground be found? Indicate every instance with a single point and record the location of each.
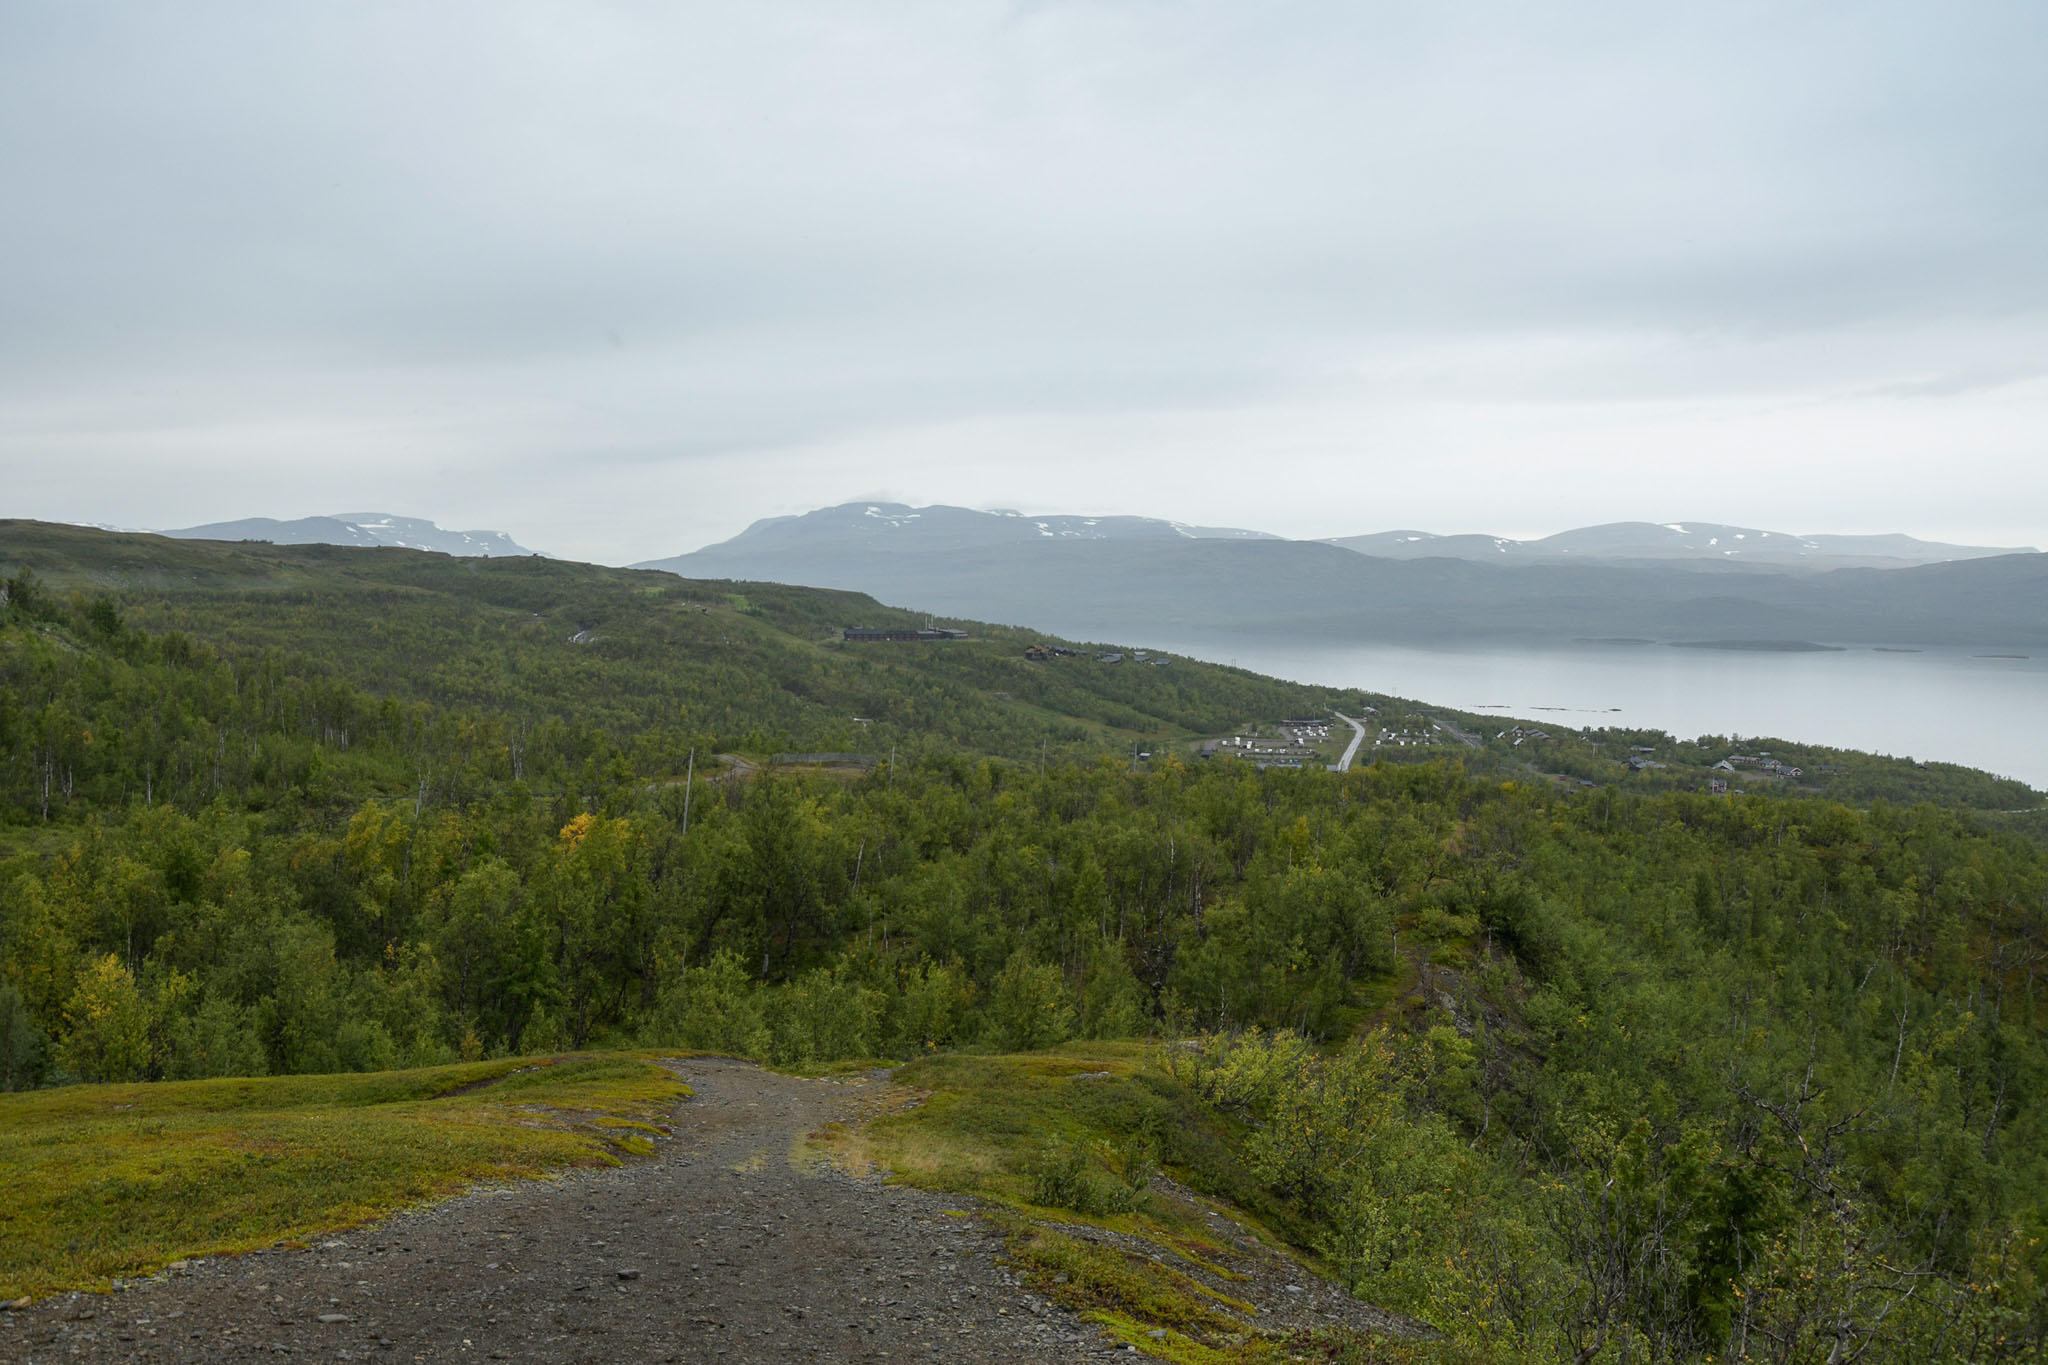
(721, 1248)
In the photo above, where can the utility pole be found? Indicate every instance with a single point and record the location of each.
(858, 858)
(688, 780)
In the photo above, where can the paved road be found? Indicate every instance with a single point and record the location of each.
(1357, 738)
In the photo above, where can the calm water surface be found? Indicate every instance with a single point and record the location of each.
(1951, 705)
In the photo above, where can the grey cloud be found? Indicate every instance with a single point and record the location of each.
(1960, 382)
(732, 228)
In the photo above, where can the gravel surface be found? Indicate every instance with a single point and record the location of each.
(720, 1248)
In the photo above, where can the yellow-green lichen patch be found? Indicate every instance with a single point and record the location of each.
(111, 1181)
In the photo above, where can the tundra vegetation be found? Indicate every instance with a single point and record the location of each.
(1588, 1074)
(112, 1181)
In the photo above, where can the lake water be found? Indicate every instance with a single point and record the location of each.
(1950, 705)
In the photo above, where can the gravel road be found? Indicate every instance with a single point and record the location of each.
(719, 1248)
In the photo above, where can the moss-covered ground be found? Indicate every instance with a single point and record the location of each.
(1059, 1143)
(114, 1181)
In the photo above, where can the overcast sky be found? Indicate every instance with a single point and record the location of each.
(620, 278)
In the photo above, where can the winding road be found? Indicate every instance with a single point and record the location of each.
(1357, 738)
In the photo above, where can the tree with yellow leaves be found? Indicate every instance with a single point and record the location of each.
(108, 1037)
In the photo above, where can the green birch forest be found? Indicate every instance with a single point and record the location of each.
(1576, 1072)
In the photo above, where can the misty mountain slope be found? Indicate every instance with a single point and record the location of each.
(862, 525)
(1695, 541)
(358, 528)
(1428, 545)
(1133, 582)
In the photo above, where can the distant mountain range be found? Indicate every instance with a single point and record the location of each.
(1693, 540)
(358, 528)
(1137, 577)
(869, 525)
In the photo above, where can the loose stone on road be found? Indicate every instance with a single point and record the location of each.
(719, 1248)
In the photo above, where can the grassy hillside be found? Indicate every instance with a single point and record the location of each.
(179, 671)
(574, 652)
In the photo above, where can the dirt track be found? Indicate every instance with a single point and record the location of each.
(718, 1249)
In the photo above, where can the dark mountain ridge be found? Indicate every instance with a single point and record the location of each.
(1123, 579)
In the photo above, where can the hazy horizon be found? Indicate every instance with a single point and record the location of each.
(737, 530)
